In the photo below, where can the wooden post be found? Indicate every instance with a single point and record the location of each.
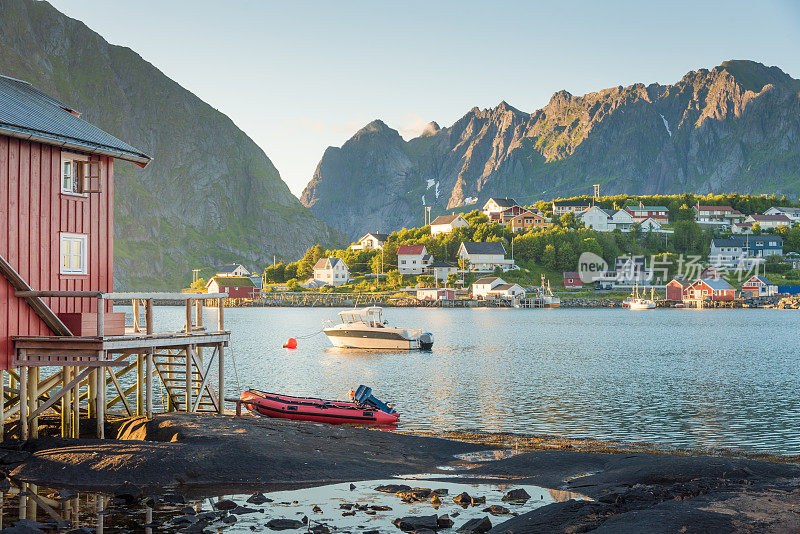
(135, 303)
(220, 315)
(189, 349)
(140, 386)
(76, 405)
(65, 420)
(148, 316)
(101, 402)
(221, 356)
(149, 384)
(198, 313)
(33, 399)
(91, 394)
(189, 303)
(101, 317)
(2, 415)
(23, 396)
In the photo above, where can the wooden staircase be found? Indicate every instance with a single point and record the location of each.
(170, 364)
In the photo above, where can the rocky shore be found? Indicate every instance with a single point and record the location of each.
(590, 303)
(208, 455)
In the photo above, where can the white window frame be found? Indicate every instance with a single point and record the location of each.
(83, 239)
(71, 158)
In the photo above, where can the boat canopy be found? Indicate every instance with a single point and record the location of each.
(370, 315)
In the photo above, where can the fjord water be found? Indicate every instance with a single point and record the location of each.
(680, 378)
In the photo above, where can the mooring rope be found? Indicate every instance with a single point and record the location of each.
(235, 370)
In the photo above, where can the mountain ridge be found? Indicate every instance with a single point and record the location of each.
(211, 195)
(732, 127)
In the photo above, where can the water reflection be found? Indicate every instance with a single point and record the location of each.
(728, 378)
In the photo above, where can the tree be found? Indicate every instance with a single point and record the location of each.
(199, 285)
(549, 259)
(756, 228)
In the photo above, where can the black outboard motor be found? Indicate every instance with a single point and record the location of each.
(364, 396)
(426, 341)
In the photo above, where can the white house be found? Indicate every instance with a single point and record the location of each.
(233, 269)
(444, 224)
(621, 220)
(413, 259)
(331, 271)
(560, 208)
(485, 257)
(507, 291)
(441, 269)
(719, 216)
(652, 225)
(769, 222)
(482, 286)
(596, 218)
(792, 213)
(759, 286)
(495, 206)
(370, 242)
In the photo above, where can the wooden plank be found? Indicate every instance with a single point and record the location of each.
(23, 398)
(199, 366)
(122, 393)
(149, 384)
(58, 396)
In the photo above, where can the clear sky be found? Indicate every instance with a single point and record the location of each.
(299, 76)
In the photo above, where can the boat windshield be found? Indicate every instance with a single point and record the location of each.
(370, 316)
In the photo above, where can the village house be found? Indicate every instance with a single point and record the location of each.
(572, 280)
(713, 288)
(237, 287)
(413, 259)
(527, 220)
(485, 257)
(603, 220)
(509, 213)
(652, 225)
(718, 216)
(57, 280)
(677, 289)
(233, 269)
(642, 212)
(444, 224)
(441, 269)
(482, 286)
(739, 251)
(560, 208)
(495, 206)
(370, 242)
(765, 222)
(436, 293)
(331, 272)
(792, 213)
(506, 291)
(759, 286)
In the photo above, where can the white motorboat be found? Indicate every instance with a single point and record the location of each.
(366, 329)
(549, 300)
(635, 302)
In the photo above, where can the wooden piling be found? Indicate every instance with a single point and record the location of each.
(76, 405)
(101, 402)
(23, 396)
(149, 384)
(221, 357)
(140, 384)
(33, 399)
(2, 417)
(189, 350)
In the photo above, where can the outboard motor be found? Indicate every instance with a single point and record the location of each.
(426, 341)
(364, 396)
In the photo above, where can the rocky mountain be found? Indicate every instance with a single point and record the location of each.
(735, 127)
(211, 195)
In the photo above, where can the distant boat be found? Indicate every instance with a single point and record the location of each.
(635, 302)
(365, 329)
(546, 295)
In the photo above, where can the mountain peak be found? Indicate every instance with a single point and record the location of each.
(432, 128)
(376, 125)
(753, 76)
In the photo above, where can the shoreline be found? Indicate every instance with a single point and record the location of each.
(218, 454)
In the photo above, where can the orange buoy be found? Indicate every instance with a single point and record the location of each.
(291, 343)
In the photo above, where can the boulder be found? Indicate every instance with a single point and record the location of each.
(258, 498)
(444, 521)
(284, 524)
(393, 488)
(516, 495)
(462, 498)
(410, 523)
(128, 493)
(478, 500)
(225, 504)
(496, 509)
(476, 526)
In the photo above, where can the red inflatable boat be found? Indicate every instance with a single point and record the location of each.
(316, 410)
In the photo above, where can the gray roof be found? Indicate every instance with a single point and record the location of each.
(752, 241)
(229, 268)
(503, 287)
(486, 280)
(441, 264)
(446, 219)
(504, 202)
(380, 237)
(488, 247)
(717, 284)
(784, 209)
(27, 113)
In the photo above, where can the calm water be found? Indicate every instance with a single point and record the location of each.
(696, 378)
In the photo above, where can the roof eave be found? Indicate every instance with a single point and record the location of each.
(139, 159)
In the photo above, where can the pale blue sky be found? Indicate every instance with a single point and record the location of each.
(299, 76)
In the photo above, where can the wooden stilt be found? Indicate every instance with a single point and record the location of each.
(101, 402)
(32, 511)
(149, 384)
(23, 397)
(135, 303)
(2, 417)
(221, 356)
(23, 488)
(189, 304)
(189, 350)
(76, 406)
(33, 399)
(91, 394)
(65, 433)
(140, 384)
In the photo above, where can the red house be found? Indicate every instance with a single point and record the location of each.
(56, 213)
(573, 279)
(436, 293)
(676, 290)
(237, 287)
(713, 288)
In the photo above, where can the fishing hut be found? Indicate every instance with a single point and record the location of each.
(63, 348)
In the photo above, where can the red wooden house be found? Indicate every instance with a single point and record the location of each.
(711, 288)
(572, 279)
(676, 290)
(237, 287)
(56, 211)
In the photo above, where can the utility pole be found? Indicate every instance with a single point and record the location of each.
(195, 275)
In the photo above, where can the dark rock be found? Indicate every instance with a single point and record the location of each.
(188, 510)
(82, 530)
(414, 495)
(346, 506)
(370, 512)
(462, 498)
(304, 519)
(229, 519)
(225, 504)
(352, 487)
(478, 500)
(441, 491)
(410, 523)
(284, 524)
(496, 509)
(516, 495)
(258, 498)
(444, 521)
(321, 529)
(476, 526)
(127, 492)
(351, 512)
(317, 510)
(14, 457)
(241, 510)
(379, 508)
(393, 488)
(183, 520)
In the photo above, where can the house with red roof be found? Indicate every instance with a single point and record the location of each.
(413, 259)
(572, 280)
(711, 288)
(717, 215)
(759, 286)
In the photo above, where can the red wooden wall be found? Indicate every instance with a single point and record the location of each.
(33, 212)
